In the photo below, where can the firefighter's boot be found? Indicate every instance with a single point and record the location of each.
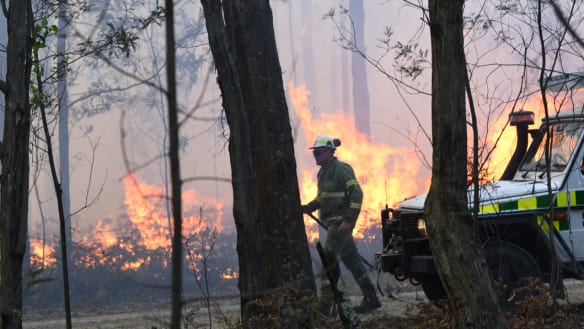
(328, 310)
(370, 300)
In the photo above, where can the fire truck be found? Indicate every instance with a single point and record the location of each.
(531, 216)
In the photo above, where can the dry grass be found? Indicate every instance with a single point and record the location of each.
(533, 308)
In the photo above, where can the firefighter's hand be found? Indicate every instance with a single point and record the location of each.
(308, 208)
(305, 209)
(345, 227)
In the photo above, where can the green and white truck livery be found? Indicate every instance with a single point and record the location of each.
(512, 211)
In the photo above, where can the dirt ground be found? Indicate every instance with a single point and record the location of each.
(156, 314)
(159, 317)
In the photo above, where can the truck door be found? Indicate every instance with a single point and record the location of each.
(571, 194)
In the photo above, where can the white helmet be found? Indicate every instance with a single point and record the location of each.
(326, 142)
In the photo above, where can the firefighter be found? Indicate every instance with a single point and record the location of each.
(339, 202)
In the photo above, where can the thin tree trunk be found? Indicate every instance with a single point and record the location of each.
(359, 70)
(176, 188)
(63, 103)
(471, 297)
(59, 196)
(307, 59)
(63, 193)
(15, 162)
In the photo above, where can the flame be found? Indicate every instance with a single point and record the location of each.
(502, 138)
(145, 236)
(41, 255)
(386, 174)
(229, 274)
(104, 234)
(148, 214)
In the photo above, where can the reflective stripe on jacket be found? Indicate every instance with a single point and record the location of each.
(339, 194)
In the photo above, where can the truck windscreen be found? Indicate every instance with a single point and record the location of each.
(563, 138)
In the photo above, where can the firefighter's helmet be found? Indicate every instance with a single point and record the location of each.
(326, 142)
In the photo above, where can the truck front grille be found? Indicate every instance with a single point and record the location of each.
(409, 225)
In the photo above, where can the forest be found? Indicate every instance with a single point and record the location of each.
(158, 151)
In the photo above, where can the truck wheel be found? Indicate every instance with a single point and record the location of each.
(509, 263)
(432, 287)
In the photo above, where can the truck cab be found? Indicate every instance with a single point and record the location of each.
(538, 188)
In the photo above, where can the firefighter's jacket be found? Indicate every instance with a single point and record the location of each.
(339, 194)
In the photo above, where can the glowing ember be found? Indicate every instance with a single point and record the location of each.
(229, 274)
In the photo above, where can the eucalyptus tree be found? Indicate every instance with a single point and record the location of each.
(454, 244)
(14, 153)
(271, 240)
(361, 103)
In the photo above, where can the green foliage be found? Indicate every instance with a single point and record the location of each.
(409, 59)
(42, 31)
(121, 39)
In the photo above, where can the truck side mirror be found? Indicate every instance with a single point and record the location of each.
(582, 166)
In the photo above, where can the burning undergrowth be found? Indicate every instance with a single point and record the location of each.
(101, 276)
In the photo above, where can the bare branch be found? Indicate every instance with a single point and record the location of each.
(4, 8)
(207, 178)
(200, 98)
(566, 24)
(88, 203)
(346, 37)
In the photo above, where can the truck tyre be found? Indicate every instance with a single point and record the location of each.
(432, 287)
(509, 263)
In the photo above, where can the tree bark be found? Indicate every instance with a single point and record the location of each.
(15, 163)
(174, 160)
(252, 280)
(284, 238)
(271, 236)
(471, 297)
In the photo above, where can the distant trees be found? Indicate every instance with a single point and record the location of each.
(14, 156)
(271, 241)
(359, 70)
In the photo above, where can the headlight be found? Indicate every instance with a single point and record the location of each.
(422, 227)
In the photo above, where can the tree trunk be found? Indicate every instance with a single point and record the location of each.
(284, 238)
(261, 138)
(472, 300)
(174, 160)
(359, 70)
(307, 27)
(252, 280)
(15, 163)
(63, 104)
(58, 194)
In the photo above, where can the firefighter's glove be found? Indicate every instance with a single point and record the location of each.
(308, 208)
(346, 227)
